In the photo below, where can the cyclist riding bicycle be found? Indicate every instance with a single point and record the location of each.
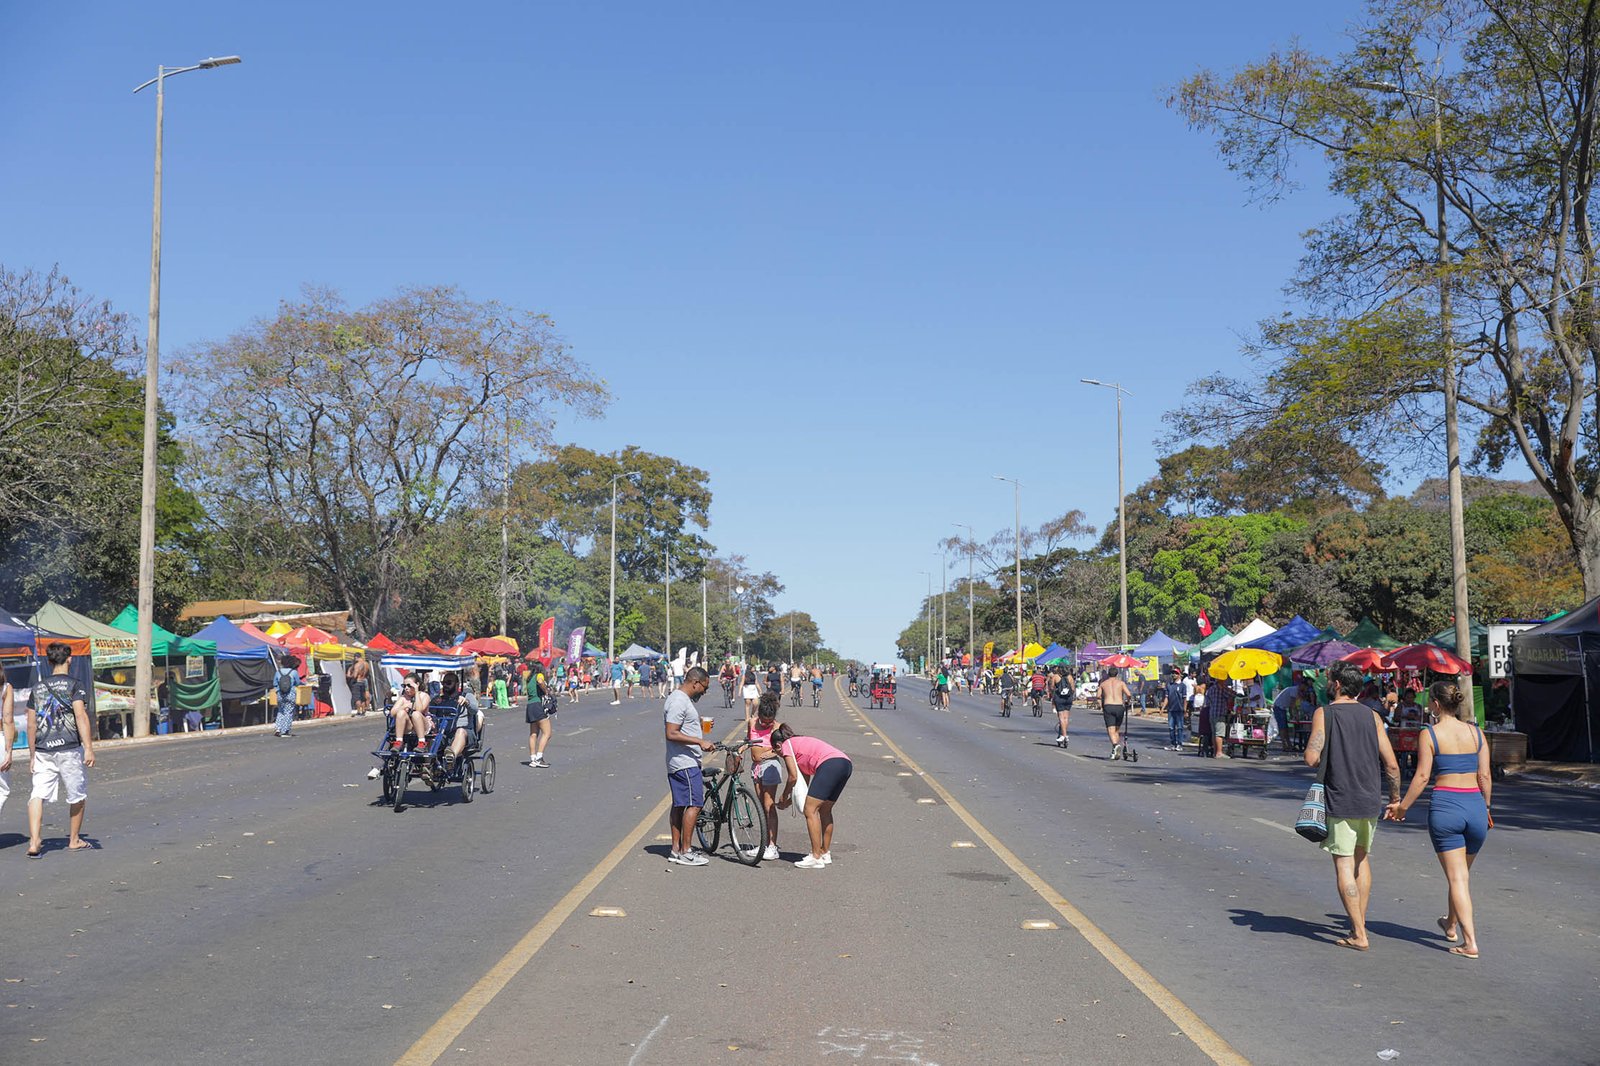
(1038, 684)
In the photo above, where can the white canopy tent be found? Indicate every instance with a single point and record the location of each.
(1254, 631)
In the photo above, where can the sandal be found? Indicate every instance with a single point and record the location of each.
(1444, 928)
(1463, 952)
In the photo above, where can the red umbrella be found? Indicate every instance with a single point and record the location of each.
(1121, 659)
(1369, 659)
(489, 646)
(1426, 657)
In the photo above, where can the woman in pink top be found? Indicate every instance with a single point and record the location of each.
(827, 769)
(766, 768)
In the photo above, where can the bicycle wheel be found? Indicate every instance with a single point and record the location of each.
(486, 785)
(816, 697)
(708, 827)
(467, 781)
(747, 826)
(390, 766)
(402, 774)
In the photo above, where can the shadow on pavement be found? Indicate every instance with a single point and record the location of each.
(1257, 922)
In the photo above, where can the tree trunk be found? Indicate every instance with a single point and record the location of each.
(1585, 531)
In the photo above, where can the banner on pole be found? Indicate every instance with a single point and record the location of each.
(575, 644)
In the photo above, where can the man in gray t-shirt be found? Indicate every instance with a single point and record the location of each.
(685, 742)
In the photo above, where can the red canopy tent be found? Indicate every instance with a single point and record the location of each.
(381, 643)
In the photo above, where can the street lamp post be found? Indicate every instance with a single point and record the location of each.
(927, 617)
(611, 611)
(944, 595)
(1452, 436)
(971, 543)
(143, 670)
(738, 620)
(1017, 486)
(1122, 509)
(666, 557)
(705, 624)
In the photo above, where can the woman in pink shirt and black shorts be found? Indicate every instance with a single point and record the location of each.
(827, 771)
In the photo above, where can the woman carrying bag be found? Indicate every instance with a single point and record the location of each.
(818, 771)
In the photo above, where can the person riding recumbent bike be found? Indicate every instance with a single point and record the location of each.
(448, 750)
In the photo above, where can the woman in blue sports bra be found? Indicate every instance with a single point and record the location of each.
(1458, 812)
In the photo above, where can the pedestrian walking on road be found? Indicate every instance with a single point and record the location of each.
(1458, 812)
(1114, 709)
(286, 681)
(1349, 741)
(685, 742)
(765, 766)
(538, 718)
(1176, 704)
(1061, 694)
(60, 749)
(8, 734)
(618, 673)
(826, 770)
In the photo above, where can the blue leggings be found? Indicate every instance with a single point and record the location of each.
(1458, 820)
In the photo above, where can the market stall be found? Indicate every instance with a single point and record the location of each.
(189, 668)
(1248, 718)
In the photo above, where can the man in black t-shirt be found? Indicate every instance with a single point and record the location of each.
(59, 748)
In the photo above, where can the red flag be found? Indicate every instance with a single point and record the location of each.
(547, 640)
(1204, 623)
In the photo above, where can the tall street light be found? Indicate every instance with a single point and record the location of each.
(1017, 485)
(971, 544)
(611, 623)
(1122, 508)
(144, 667)
(1452, 438)
(738, 620)
(927, 616)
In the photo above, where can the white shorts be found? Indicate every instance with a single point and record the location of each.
(53, 768)
(752, 692)
(5, 788)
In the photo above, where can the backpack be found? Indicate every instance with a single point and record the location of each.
(287, 680)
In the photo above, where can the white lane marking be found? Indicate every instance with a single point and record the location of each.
(1275, 825)
(633, 1060)
(986, 725)
(583, 729)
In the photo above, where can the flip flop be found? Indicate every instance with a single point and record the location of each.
(1444, 927)
(83, 846)
(36, 854)
(1346, 942)
(1463, 952)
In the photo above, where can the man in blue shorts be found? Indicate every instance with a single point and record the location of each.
(685, 742)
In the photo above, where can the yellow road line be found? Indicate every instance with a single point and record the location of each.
(464, 1011)
(1207, 1039)
(442, 1033)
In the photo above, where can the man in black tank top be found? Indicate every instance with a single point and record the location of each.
(1349, 742)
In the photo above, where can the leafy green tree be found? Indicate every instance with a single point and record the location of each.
(1220, 565)
(1507, 88)
(368, 427)
(569, 495)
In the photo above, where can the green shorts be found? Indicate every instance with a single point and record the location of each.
(1345, 835)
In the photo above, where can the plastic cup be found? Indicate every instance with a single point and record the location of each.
(705, 726)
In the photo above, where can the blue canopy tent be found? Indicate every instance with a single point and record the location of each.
(1161, 646)
(245, 664)
(1292, 634)
(1055, 653)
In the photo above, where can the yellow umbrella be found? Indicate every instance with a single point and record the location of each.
(278, 629)
(1242, 663)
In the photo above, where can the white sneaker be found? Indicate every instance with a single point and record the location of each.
(616, 703)
(692, 858)
(809, 863)
(827, 858)
(674, 856)
(771, 852)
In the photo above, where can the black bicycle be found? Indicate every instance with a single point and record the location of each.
(933, 696)
(727, 692)
(731, 803)
(794, 693)
(816, 695)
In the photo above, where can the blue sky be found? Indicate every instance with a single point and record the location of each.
(852, 259)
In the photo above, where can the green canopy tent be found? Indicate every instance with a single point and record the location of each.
(1477, 633)
(108, 646)
(1366, 634)
(192, 686)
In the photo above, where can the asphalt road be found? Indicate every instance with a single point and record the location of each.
(250, 901)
